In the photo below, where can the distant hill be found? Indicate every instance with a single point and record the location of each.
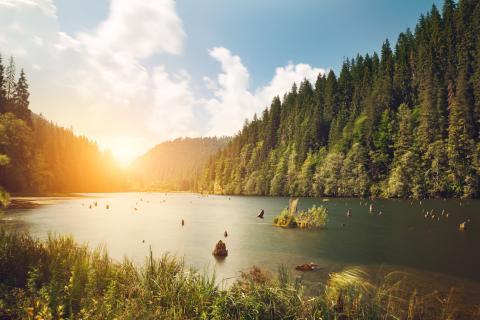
(174, 165)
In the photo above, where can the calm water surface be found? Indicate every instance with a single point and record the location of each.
(401, 238)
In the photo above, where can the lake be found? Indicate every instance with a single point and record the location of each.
(433, 253)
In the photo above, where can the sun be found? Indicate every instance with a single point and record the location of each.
(124, 153)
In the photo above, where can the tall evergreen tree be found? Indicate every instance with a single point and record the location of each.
(10, 80)
(21, 99)
(3, 88)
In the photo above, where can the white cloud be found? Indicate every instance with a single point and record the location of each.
(98, 82)
(89, 79)
(137, 29)
(173, 104)
(44, 5)
(234, 102)
(285, 77)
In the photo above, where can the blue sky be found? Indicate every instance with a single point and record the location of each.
(133, 73)
(270, 33)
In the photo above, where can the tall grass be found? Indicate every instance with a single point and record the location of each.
(60, 279)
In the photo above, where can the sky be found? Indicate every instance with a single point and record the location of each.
(130, 74)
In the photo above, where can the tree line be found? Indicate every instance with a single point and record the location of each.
(39, 156)
(173, 165)
(404, 122)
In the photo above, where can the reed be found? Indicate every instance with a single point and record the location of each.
(60, 279)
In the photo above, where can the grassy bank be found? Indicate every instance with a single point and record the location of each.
(59, 279)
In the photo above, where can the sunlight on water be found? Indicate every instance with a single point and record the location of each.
(398, 238)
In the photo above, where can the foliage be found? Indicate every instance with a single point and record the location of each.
(401, 123)
(174, 165)
(285, 219)
(4, 196)
(314, 217)
(43, 156)
(59, 279)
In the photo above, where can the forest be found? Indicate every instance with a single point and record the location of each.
(404, 122)
(173, 165)
(37, 156)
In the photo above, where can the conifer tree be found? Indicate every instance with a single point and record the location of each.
(10, 80)
(3, 89)
(21, 99)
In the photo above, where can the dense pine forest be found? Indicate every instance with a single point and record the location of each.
(38, 156)
(401, 123)
(173, 165)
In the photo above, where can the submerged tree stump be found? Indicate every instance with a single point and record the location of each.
(307, 267)
(220, 249)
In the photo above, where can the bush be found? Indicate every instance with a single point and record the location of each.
(315, 217)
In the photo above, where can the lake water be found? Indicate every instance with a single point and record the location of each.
(432, 251)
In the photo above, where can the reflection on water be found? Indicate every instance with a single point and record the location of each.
(400, 238)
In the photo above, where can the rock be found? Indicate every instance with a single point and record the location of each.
(220, 249)
(307, 267)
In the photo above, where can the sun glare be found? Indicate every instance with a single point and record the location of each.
(124, 153)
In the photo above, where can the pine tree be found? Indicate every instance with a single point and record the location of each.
(279, 181)
(460, 143)
(403, 74)
(305, 179)
(354, 177)
(21, 99)
(330, 97)
(3, 89)
(10, 80)
(450, 37)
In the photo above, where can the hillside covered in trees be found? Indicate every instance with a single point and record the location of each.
(401, 123)
(38, 156)
(174, 165)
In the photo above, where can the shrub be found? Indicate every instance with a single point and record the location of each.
(314, 217)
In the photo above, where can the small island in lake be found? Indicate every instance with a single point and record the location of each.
(314, 217)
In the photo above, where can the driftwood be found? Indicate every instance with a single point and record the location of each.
(293, 206)
(260, 215)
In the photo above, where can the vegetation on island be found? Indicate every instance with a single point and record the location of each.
(59, 279)
(314, 217)
(404, 122)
